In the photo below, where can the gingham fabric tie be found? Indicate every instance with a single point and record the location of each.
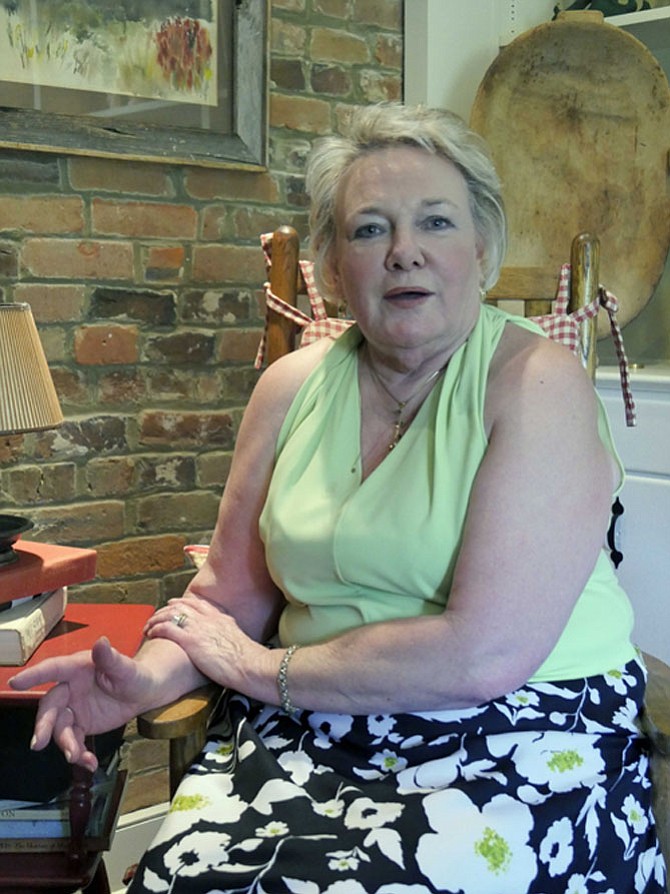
(565, 328)
(319, 325)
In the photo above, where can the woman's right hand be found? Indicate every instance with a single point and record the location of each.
(95, 691)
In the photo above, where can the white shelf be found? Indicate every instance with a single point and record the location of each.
(651, 26)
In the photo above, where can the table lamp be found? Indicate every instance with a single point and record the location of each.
(28, 400)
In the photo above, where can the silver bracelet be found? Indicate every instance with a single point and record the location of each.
(282, 680)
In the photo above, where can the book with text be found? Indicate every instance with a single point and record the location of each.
(24, 626)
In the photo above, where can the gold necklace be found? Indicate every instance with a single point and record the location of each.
(400, 424)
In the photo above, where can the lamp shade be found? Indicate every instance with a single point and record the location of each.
(28, 400)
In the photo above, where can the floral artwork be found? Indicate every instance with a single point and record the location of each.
(151, 49)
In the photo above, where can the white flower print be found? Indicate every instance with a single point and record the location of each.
(577, 885)
(626, 716)
(389, 761)
(619, 680)
(298, 765)
(380, 725)
(477, 852)
(332, 808)
(549, 760)
(522, 698)
(274, 829)
(197, 851)
(367, 814)
(556, 849)
(343, 861)
(635, 815)
(329, 728)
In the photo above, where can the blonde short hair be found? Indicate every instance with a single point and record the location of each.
(392, 124)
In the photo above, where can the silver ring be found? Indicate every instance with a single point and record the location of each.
(180, 619)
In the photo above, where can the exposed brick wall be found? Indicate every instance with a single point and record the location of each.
(145, 283)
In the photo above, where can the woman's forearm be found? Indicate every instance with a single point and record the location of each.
(415, 664)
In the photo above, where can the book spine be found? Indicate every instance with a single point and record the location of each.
(21, 636)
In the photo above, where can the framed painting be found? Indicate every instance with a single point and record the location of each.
(178, 81)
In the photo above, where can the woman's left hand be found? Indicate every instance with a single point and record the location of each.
(209, 635)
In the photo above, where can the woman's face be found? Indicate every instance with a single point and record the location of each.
(406, 255)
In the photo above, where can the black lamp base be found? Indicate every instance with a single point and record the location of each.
(11, 528)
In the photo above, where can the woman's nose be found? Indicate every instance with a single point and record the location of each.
(405, 251)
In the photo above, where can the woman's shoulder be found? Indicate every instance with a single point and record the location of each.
(529, 369)
(282, 380)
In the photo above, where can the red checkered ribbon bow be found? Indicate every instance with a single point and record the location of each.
(313, 327)
(565, 328)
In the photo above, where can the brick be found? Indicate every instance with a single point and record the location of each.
(388, 51)
(330, 79)
(81, 437)
(212, 469)
(82, 523)
(291, 153)
(109, 476)
(143, 219)
(183, 429)
(125, 386)
(42, 214)
(53, 340)
(140, 305)
(71, 386)
(287, 38)
(165, 472)
(41, 484)
(238, 383)
(247, 186)
(105, 345)
(380, 13)
(110, 175)
(175, 584)
(167, 512)
(290, 5)
(32, 170)
(215, 223)
(239, 345)
(163, 263)
(340, 9)
(377, 87)
(228, 263)
(52, 303)
(287, 74)
(183, 347)
(300, 113)
(216, 307)
(146, 591)
(140, 555)
(146, 790)
(328, 44)
(169, 384)
(72, 259)
(9, 259)
(11, 448)
(250, 223)
(295, 192)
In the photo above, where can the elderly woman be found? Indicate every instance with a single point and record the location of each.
(451, 703)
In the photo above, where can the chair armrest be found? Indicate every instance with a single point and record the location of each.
(656, 716)
(184, 723)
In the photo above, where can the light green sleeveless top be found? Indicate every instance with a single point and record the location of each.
(347, 553)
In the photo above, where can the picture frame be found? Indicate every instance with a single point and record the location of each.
(177, 81)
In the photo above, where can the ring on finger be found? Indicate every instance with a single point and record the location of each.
(180, 619)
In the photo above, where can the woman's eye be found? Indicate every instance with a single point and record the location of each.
(367, 231)
(437, 222)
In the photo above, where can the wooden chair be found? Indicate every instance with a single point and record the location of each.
(183, 722)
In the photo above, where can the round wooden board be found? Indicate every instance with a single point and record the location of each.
(577, 115)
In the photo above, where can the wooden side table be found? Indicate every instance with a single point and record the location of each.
(80, 866)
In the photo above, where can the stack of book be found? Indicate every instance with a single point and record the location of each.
(45, 827)
(33, 594)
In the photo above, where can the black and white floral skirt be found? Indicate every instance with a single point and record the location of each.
(545, 790)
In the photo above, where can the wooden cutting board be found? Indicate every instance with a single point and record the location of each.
(577, 115)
